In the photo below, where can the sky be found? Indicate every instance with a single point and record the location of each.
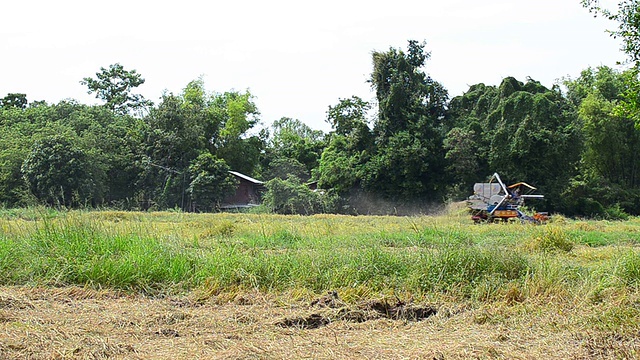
(296, 57)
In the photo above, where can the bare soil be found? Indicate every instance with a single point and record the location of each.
(78, 323)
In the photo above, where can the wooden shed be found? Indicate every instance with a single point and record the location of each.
(248, 193)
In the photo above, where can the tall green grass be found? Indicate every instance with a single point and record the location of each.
(426, 256)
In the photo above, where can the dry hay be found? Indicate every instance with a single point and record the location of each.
(77, 323)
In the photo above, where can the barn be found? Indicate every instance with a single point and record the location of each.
(248, 192)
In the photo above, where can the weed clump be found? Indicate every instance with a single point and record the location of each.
(553, 238)
(628, 268)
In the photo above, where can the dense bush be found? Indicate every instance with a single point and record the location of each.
(291, 196)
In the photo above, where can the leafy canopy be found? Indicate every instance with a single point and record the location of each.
(114, 85)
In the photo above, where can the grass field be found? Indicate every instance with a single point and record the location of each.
(568, 289)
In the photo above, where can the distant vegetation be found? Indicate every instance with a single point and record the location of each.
(577, 142)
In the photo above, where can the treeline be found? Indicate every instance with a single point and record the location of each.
(575, 142)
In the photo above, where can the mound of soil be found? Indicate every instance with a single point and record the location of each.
(373, 310)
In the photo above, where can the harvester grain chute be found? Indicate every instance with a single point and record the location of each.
(493, 201)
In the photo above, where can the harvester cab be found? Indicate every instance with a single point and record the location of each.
(493, 201)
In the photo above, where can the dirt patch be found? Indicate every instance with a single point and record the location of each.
(92, 349)
(336, 310)
(312, 321)
(611, 346)
(12, 303)
(402, 311)
(167, 333)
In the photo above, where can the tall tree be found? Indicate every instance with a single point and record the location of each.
(114, 85)
(609, 170)
(411, 108)
(408, 99)
(348, 148)
(236, 114)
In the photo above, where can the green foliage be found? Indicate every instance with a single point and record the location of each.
(628, 18)
(210, 183)
(402, 158)
(182, 128)
(401, 168)
(338, 169)
(114, 85)
(290, 196)
(578, 148)
(111, 142)
(409, 159)
(616, 212)
(523, 131)
(296, 142)
(285, 168)
(14, 100)
(408, 99)
(348, 117)
(61, 174)
(235, 114)
(462, 158)
(609, 177)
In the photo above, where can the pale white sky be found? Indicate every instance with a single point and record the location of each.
(296, 57)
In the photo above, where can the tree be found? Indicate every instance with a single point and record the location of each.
(292, 142)
(411, 107)
(408, 99)
(349, 146)
(114, 86)
(210, 182)
(339, 167)
(14, 100)
(284, 168)
(185, 126)
(628, 18)
(174, 137)
(235, 114)
(609, 173)
(523, 131)
(61, 174)
(348, 116)
(463, 159)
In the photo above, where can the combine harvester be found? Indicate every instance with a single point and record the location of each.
(493, 201)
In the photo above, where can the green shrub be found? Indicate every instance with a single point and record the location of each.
(616, 213)
(290, 196)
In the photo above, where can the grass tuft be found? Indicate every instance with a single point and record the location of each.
(552, 238)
